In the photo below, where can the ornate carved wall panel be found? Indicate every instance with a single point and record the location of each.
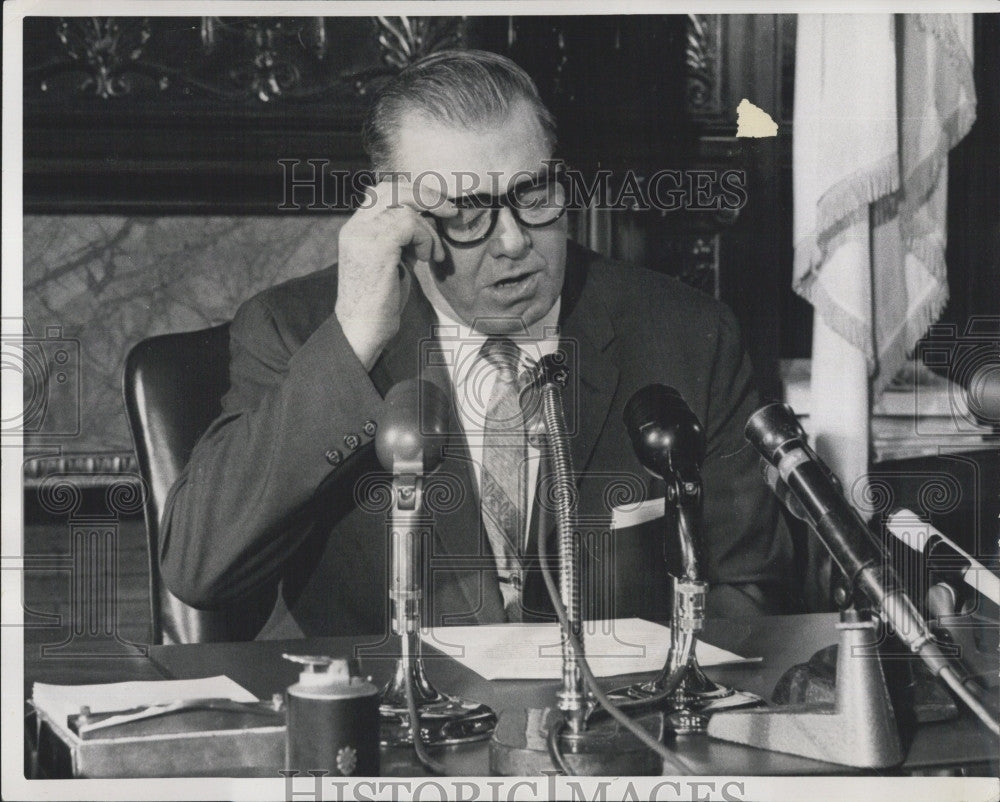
(192, 114)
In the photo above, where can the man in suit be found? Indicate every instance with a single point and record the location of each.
(460, 258)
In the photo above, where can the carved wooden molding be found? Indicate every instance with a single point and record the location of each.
(403, 40)
(263, 59)
(701, 61)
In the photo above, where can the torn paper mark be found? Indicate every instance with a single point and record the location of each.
(754, 122)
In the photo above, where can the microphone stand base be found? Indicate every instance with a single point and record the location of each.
(603, 749)
(859, 729)
(699, 688)
(689, 706)
(444, 720)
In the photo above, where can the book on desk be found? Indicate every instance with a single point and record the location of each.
(168, 728)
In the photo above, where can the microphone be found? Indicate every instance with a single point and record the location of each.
(773, 480)
(666, 435)
(541, 400)
(863, 706)
(775, 432)
(533, 741)
(669, 441)
(943, 553)
(413, 427)
(409, 443)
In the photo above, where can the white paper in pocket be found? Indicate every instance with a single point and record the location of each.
(634, 514)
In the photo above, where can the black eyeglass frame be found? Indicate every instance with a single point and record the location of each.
(494, 203)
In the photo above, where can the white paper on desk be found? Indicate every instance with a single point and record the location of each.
(60, 701)
(532, 651)
(639, 513)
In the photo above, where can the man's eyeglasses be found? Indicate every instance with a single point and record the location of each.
(534, 204)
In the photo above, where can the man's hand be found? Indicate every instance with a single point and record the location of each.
(372, 286)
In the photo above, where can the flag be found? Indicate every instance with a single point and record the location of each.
(880, 99)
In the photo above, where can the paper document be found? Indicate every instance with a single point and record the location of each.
(60, 701)
(532, 651)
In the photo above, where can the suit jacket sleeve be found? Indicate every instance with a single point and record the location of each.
(748, 549)
(240, 507)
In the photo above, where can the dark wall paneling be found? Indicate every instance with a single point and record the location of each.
(193, 114)
(168, 115)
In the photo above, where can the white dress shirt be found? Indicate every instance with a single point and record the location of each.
(472, 377)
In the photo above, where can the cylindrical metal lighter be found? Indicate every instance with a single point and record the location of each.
(333, 720)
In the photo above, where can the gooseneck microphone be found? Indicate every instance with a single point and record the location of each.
(568, 738)
(775, 432)
(409, 440)
(541, 403)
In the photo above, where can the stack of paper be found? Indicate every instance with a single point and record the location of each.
(60, 701)
(920, 413)
(533, 651)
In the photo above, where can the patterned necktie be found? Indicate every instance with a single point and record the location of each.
(504, 472)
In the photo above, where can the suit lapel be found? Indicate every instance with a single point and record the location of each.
(586, 335)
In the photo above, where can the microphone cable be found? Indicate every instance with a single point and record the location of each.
(559, 463)
(971, 700)
(419, 748)
(614, 711)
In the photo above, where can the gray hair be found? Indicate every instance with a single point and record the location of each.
(462, 87)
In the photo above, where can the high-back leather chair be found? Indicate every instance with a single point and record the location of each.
(173, 386)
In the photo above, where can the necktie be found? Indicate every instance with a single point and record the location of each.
(504, 472)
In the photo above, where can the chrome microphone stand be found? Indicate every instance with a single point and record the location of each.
(413, 424)
(670, 443)
(695, 691)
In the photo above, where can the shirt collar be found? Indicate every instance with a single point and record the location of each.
(541, 340)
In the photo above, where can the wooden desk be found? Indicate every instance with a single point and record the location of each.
(781, 641)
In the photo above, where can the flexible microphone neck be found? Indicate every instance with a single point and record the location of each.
(542, 408)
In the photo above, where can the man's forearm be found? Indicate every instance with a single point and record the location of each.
(239, 508)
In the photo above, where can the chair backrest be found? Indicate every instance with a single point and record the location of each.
(173, 386)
